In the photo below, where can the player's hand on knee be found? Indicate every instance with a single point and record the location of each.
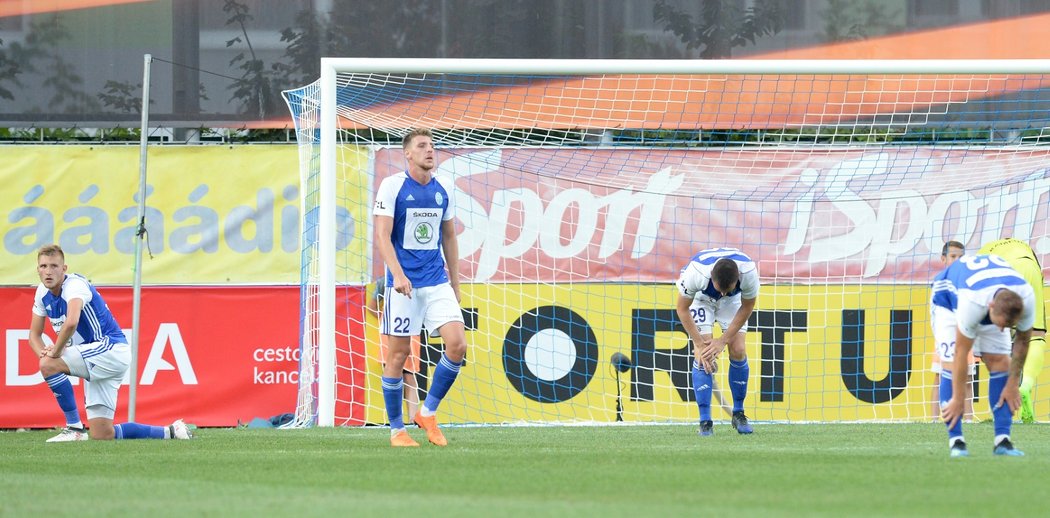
(952, 411)
(710, 365)
(1011, 397)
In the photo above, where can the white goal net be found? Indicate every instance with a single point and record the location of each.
(583, 187)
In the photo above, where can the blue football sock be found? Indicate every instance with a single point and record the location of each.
(444, 375)
(946, 396)
(738, 374)
(63, 391)
(138, 431)
(1001, 416)
(702, 384)
(393, 392)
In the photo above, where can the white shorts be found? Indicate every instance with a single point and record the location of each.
(706, 311)
(990, 339)
(103, 365)
(432, 307)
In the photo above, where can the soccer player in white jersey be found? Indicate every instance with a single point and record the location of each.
(414, 228)
(90, 345)
(978, 298)
(718, 285)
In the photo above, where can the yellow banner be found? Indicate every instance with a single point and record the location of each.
(214, 214)
(815, 353)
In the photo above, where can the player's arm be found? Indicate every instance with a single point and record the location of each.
(65, 333)
(36, 335)
(953, 410)
(1018, 355)
(684, 316)
(450, 247)
(715, 347)
(747, 306)
(384, 226)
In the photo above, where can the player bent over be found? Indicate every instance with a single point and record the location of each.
(89, 345)
(979, 298)
(1022, 258)
(409, 209)
(718, 285)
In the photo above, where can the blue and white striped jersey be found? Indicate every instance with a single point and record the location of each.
(696, 276)
(418, 211)
(968, 286)
(96, 322)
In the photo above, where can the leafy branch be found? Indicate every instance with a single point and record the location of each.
(721, 26)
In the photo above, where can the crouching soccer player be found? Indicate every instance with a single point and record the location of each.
(90, 345)
(1023, 259)
(718, 285)
(978, 298)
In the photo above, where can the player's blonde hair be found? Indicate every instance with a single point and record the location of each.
(417, 132)
(51, 250)
(1009, 305)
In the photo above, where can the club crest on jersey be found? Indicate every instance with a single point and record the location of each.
(439, 198)
(424, 232)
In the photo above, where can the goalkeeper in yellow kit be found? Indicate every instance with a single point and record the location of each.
(1022, 258)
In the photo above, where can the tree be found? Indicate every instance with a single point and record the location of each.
(9, 71)
(37, 54)
(846, 20)
(258, 88)
(721, 26)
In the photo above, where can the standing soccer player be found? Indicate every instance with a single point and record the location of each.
(950, 253)
(89, 345)
(1022, 258)
(978, 298)
(410, 208)
(718, 285)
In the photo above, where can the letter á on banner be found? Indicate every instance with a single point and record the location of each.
(168, 333)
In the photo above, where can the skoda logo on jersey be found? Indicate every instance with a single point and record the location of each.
(424, 232)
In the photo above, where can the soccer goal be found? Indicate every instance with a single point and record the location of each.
(582, 187)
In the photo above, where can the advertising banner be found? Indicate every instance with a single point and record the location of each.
(816, 353)
(637, 215)
(210, 355)
(214, 215)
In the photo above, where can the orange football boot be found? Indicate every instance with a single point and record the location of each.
(430, 424)
(402, 439)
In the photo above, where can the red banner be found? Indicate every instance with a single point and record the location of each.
(210, 355)
(637, 215)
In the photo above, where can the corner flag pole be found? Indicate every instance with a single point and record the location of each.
(136, 297)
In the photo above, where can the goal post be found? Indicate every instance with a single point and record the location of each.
(583, 186)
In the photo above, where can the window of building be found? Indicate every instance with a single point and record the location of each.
(933, 7)
(11, 23)
(266, 14)
(793, 14)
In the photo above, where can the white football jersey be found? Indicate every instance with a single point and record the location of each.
(695, 278)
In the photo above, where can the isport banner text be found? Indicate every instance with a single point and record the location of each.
(638, 214)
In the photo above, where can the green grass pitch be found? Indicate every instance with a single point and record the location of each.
(781, 470)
